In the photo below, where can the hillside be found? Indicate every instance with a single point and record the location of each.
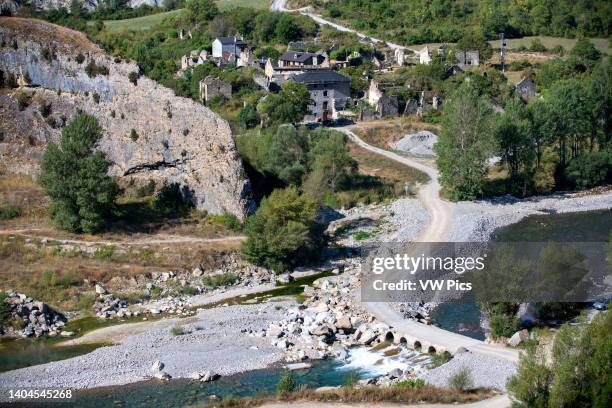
(149, 133)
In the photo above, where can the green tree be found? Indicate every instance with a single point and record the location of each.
(201, 10)
(514, 139)
(330, 162)
(465, 143)
(283, 232)
(288, 106)
(286, 29)
(285, 154)
(579, 374)
(248, 117)
(584, 55)
(75, 178)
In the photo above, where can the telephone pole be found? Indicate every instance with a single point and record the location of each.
(502, 51)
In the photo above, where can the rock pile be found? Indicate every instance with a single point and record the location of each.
(35, 317)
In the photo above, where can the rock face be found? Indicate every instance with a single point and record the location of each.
(149, 133)
(86, 4)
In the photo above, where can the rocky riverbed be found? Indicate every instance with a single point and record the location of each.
(220, 340)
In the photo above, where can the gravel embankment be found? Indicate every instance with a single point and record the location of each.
(486, 372)
(214, 342)
(475, 221)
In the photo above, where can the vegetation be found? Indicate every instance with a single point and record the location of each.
(5, 310)
(74, 177)
(410, 384)
(283, 231)
(461, 380)
(438, 359)
(287, 383)
(177, 330)
(217, 280)
(448, 20)
(579, 374)
(8, 211)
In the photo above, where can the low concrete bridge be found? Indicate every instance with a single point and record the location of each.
(432, 339)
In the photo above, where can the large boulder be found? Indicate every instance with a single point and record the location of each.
(518, 338)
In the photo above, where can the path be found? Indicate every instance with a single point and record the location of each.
(159, 239)
(440, 213)
(500, 401)
(279, 5)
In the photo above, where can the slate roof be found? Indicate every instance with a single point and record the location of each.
(231, 40)
(320, 76)
(293, 56)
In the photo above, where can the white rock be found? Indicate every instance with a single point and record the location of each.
(157, 366)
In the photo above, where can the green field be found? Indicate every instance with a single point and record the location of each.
(146, 22)
(256, 4)
(139, 23)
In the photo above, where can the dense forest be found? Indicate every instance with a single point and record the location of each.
(422, 21)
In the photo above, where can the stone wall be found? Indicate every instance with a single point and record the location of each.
(178, 140)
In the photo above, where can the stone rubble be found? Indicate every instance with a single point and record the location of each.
(35, 318)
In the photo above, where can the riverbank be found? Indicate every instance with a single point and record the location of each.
(219, 339)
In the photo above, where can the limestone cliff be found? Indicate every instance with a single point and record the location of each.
(149, 133)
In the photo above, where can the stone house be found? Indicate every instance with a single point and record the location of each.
(411, 108)
(430, 99)
(194, 58)
(467, 58)
(399, 55)
(329, 93)
(211, 87)
(525, 88)
(228, 45)
(424, 55)
(384, 105)
(297, 59)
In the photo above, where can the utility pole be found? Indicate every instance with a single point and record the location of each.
(502, 51)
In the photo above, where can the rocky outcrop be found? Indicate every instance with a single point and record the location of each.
(149, 133)
(56, 4)
(34, 318)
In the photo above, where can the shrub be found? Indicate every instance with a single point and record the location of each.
(79, 58)
(461, 380)
(537, 46)
(96, 97)
(223, 279)
(44, 109)
(8, 211)
(410, 384)
(92, 69)
(85, 301)
(189, 290)
(165, 144)
(440, 358)
(287, 383)
(361, 235)
(11, 81)
(23, 101)
(133, 135)
(230, 221)
(177, 330)
(133, 77)
(351, 379)
(105, 252)
(590, 169)
(503, 325)
(146, 190)
(248, 117)
(5, 310)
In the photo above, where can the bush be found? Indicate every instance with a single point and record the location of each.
(75, 178)
(223, 279)
(45, 109)
(438, 359)
(146, 190)
(503, 325)
(248, 117)
(92, 69)
(105, 252)
(8, 211)
(5, 310)
(287, 383)
(230, 221)
(590, 169)
(79, 58)
(96, 97)
(133, 77)
(410, 384)
(351, 379)
(537, 46)
(177, 330)
(23, 101)
(283, 231)
(133, 135)
(461, 380)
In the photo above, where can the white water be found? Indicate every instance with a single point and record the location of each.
(374, 363)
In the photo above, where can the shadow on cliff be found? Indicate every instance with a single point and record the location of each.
(149, 214)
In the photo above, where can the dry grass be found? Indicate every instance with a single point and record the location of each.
(364, 395)
(389, 170)
(385, 133)
(22, 191)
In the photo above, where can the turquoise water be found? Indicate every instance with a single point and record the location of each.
(591, 226)
(180, 393)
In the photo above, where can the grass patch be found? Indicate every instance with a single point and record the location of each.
(177, 330)
(410, 384)
(223, 279)
(438, 359)
(9, 211)
(254, 4)
(140, 23)
(361, 235)
(381, 346)
(461, 380)
(392, 352)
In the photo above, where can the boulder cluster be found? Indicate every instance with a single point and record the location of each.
(34, 318)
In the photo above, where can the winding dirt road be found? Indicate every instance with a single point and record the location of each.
(440, 220)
